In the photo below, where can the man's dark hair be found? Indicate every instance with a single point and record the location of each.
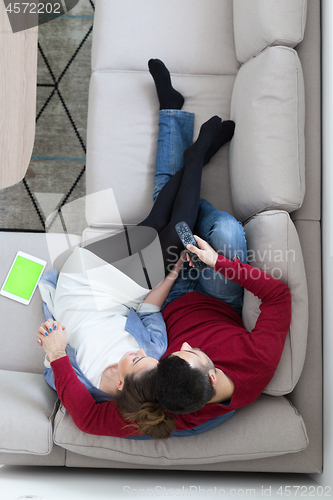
(181, 388)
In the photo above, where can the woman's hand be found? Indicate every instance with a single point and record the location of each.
(52, 336)
(158, 295)
(205, 252)
(177, 267)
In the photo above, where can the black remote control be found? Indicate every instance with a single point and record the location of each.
(187, 238)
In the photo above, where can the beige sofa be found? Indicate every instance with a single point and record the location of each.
(242, 60)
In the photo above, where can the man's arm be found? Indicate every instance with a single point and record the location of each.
(263, 285)
(270, 331)
(102, 419)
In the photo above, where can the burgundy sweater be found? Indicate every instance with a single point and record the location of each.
(248, 358)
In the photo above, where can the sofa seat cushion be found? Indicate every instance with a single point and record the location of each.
(122, 140)
(273, 246)
(27, 409)
(29, 357)
(267, 152)
(129, 33)
(262, 23)
(267, 427)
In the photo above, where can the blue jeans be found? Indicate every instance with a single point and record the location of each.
(220, 229)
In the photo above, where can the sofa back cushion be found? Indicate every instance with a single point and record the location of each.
(129, 33)
(274, 247)
(267, 152)
(262, 23)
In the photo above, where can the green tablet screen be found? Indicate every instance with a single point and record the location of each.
(23, 277)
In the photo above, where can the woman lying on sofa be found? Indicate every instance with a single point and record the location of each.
(102, 363)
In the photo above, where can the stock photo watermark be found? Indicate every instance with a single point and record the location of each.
(139, 248)
(217, 492)
(25, 15)
(266, 260)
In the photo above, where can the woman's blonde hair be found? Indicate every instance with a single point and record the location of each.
(137, 402)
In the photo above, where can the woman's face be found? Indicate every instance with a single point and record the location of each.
(134, 362)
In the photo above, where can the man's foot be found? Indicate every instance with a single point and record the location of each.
(169, 97)
(225, 135)
(208, 135)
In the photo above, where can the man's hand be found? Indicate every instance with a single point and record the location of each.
(205, 252)
(52, 336)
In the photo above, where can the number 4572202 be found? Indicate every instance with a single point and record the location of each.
(48, 8)
(305, 491)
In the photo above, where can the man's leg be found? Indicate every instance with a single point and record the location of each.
(175, 135)
(226, 235)
(175, 129)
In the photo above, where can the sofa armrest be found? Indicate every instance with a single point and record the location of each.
(28, 406)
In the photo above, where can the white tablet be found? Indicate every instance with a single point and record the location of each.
(23, 277)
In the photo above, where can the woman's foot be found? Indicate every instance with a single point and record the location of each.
(208, 136)
(169, 97)
(225, 135)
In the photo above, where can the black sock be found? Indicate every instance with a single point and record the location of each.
(225, 135)
(169, 97)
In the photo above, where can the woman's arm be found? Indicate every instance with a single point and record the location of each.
(159, 294)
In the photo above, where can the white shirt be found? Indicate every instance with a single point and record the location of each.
(92, 300)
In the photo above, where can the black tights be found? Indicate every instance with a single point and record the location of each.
(177, 201)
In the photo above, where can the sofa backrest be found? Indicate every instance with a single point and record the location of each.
(267, 152)
(190, 36)
(264, 23)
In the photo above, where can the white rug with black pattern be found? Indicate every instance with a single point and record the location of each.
(57, 168)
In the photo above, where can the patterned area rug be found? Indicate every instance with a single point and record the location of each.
(57, 168)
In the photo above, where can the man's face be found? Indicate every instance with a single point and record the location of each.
(195, 357)
(135, 362)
